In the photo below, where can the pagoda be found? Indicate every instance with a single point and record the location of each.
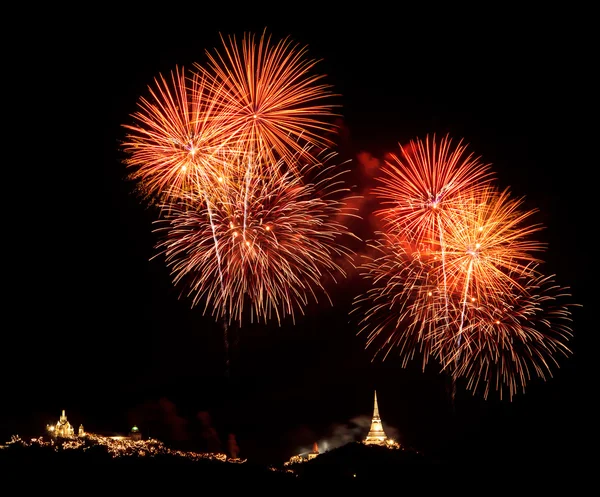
(376, 434)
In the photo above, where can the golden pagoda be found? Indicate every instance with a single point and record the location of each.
(62, 428)
(376, 434)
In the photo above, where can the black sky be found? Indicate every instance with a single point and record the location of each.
(95, 327)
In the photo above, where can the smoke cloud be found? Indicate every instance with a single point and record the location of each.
(355, 430)
(160, 420)
(232, 446)
(208, 432)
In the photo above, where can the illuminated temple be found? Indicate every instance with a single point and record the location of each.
(63, 428)
(305, 456)
(62, 437)
(376, 435)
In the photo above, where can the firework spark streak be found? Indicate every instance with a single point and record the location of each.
(455, 277)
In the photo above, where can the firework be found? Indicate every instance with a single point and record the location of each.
(486, 246)
(419, 188)
(455, 278)
(268, 243)
(270, 98)
(394, 310)
(423, 192)
(517, 337)
(258, 99)
(492, 296)
(176, 142)
(235, 155)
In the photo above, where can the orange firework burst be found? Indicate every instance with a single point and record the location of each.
(486, 245)
(420, 187)
(176, 139)
(235, 155)
(268, 242)
(259, 98)
(395, 311)
(269, 97)
(507, 341)
(461, 284)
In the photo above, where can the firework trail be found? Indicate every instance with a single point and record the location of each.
(455, 277)
(175, 146)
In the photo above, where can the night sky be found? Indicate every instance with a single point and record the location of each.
(95, 327)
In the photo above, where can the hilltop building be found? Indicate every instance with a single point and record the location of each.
(135, 433)
(62, 428)
(376, 435)
(305, 456)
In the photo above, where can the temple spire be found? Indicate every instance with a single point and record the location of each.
(376, 434)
